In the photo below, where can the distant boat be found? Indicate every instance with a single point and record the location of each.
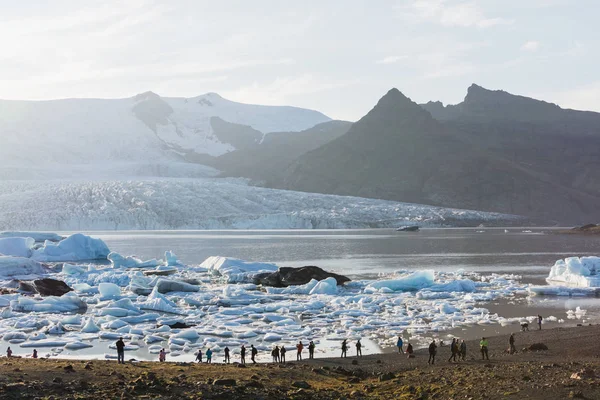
(408, 228)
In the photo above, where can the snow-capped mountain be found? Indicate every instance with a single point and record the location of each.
(143, 128)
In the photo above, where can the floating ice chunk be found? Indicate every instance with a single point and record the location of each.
(84, 288)
(326, 286)
(17, 246)
(6, 312)
(576, 272)
(37, 336)
(414, 281)
(297, 289)
(15, 336)
(446, 308)
(76, 247)
(153, 339)
(71, 269)
(118, 261)
(109, 290)
(20, 266)
(56, 329)
(68, 302)
(235, 270)
(115, 324)
(77, 345)
(160, 305)
(171, 259)
(188, 334)
(90, 326)
(72, 320)
(272, 337)
(166, 286)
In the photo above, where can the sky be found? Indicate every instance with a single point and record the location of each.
(335, 56)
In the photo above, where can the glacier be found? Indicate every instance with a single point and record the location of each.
(207, 203)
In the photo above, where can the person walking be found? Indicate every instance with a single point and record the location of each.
(162, 355)
(34, 355)
(358, 348)
(344, 348)
(243, 355)
(199, 356)
(209, 356)
(227, 359)
(432, 352)
(539, 322)
(275, 354)
(120, 351)
(253, 353)
(399, 344)
(410, 351)
(311, 350)
(299, 347)
(511, 344)
(483, 344)
(282, 354)
(453, 350)
(8, 353)
(463, 350)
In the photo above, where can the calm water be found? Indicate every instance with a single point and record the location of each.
(367, 253)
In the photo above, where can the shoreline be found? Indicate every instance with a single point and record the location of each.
(529, 374)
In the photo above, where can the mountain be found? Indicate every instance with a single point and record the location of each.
(267, 161)
(138, 129)
(474, 155)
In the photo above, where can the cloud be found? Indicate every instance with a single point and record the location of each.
(390, 60)
(281, 89)
(531, 45)
(585, 97)
(451, 13)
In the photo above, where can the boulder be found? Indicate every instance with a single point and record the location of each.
(288, 276)
(536, 347)
(51, 287)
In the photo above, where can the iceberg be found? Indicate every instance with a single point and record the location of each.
(235, 270)
(90, 326)
(118, 261)
(171, 259)
(412, 282)
(69, 302)
(109, 290)
(576, 272)
(17, 246)
(326, 286)
(76, 247)
(11, 267)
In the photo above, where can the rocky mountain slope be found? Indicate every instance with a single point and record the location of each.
(493, 152)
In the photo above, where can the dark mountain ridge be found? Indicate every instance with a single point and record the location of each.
(492, 152)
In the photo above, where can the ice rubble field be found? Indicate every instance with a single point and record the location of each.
(221, 306)
(204, 204)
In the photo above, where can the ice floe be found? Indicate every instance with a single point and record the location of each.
(77, 247)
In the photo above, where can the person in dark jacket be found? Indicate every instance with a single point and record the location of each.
(120, 351)
(358, 348)
(453, 350)
(227, 358)
(243, 355)
(311, 350)
(282, 354)
(253, 353)
(432, 352)
(463, 350)
(344, 348)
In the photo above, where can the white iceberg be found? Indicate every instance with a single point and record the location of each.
(17, 246)
(118, 261)
(412, 282)
(11, 267)
(326, 286)
(90, 326)
(76, 247)
(236, 270)
(68, 302)
(109, 290)
(576, 272)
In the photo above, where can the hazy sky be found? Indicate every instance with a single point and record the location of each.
(338, 57)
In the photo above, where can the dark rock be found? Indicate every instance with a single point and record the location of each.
(225, 382)
(354, 362)
(51, 287)
(180, 325)
(301, 384)
(537, 347)
(288, 276)
(386, 377)
(69, 368)
(412, 228)
(241, 365)
(254, 384)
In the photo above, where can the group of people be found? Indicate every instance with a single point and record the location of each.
(9, 353)
(358, 346)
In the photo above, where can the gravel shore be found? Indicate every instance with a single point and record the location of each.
(570, 368)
